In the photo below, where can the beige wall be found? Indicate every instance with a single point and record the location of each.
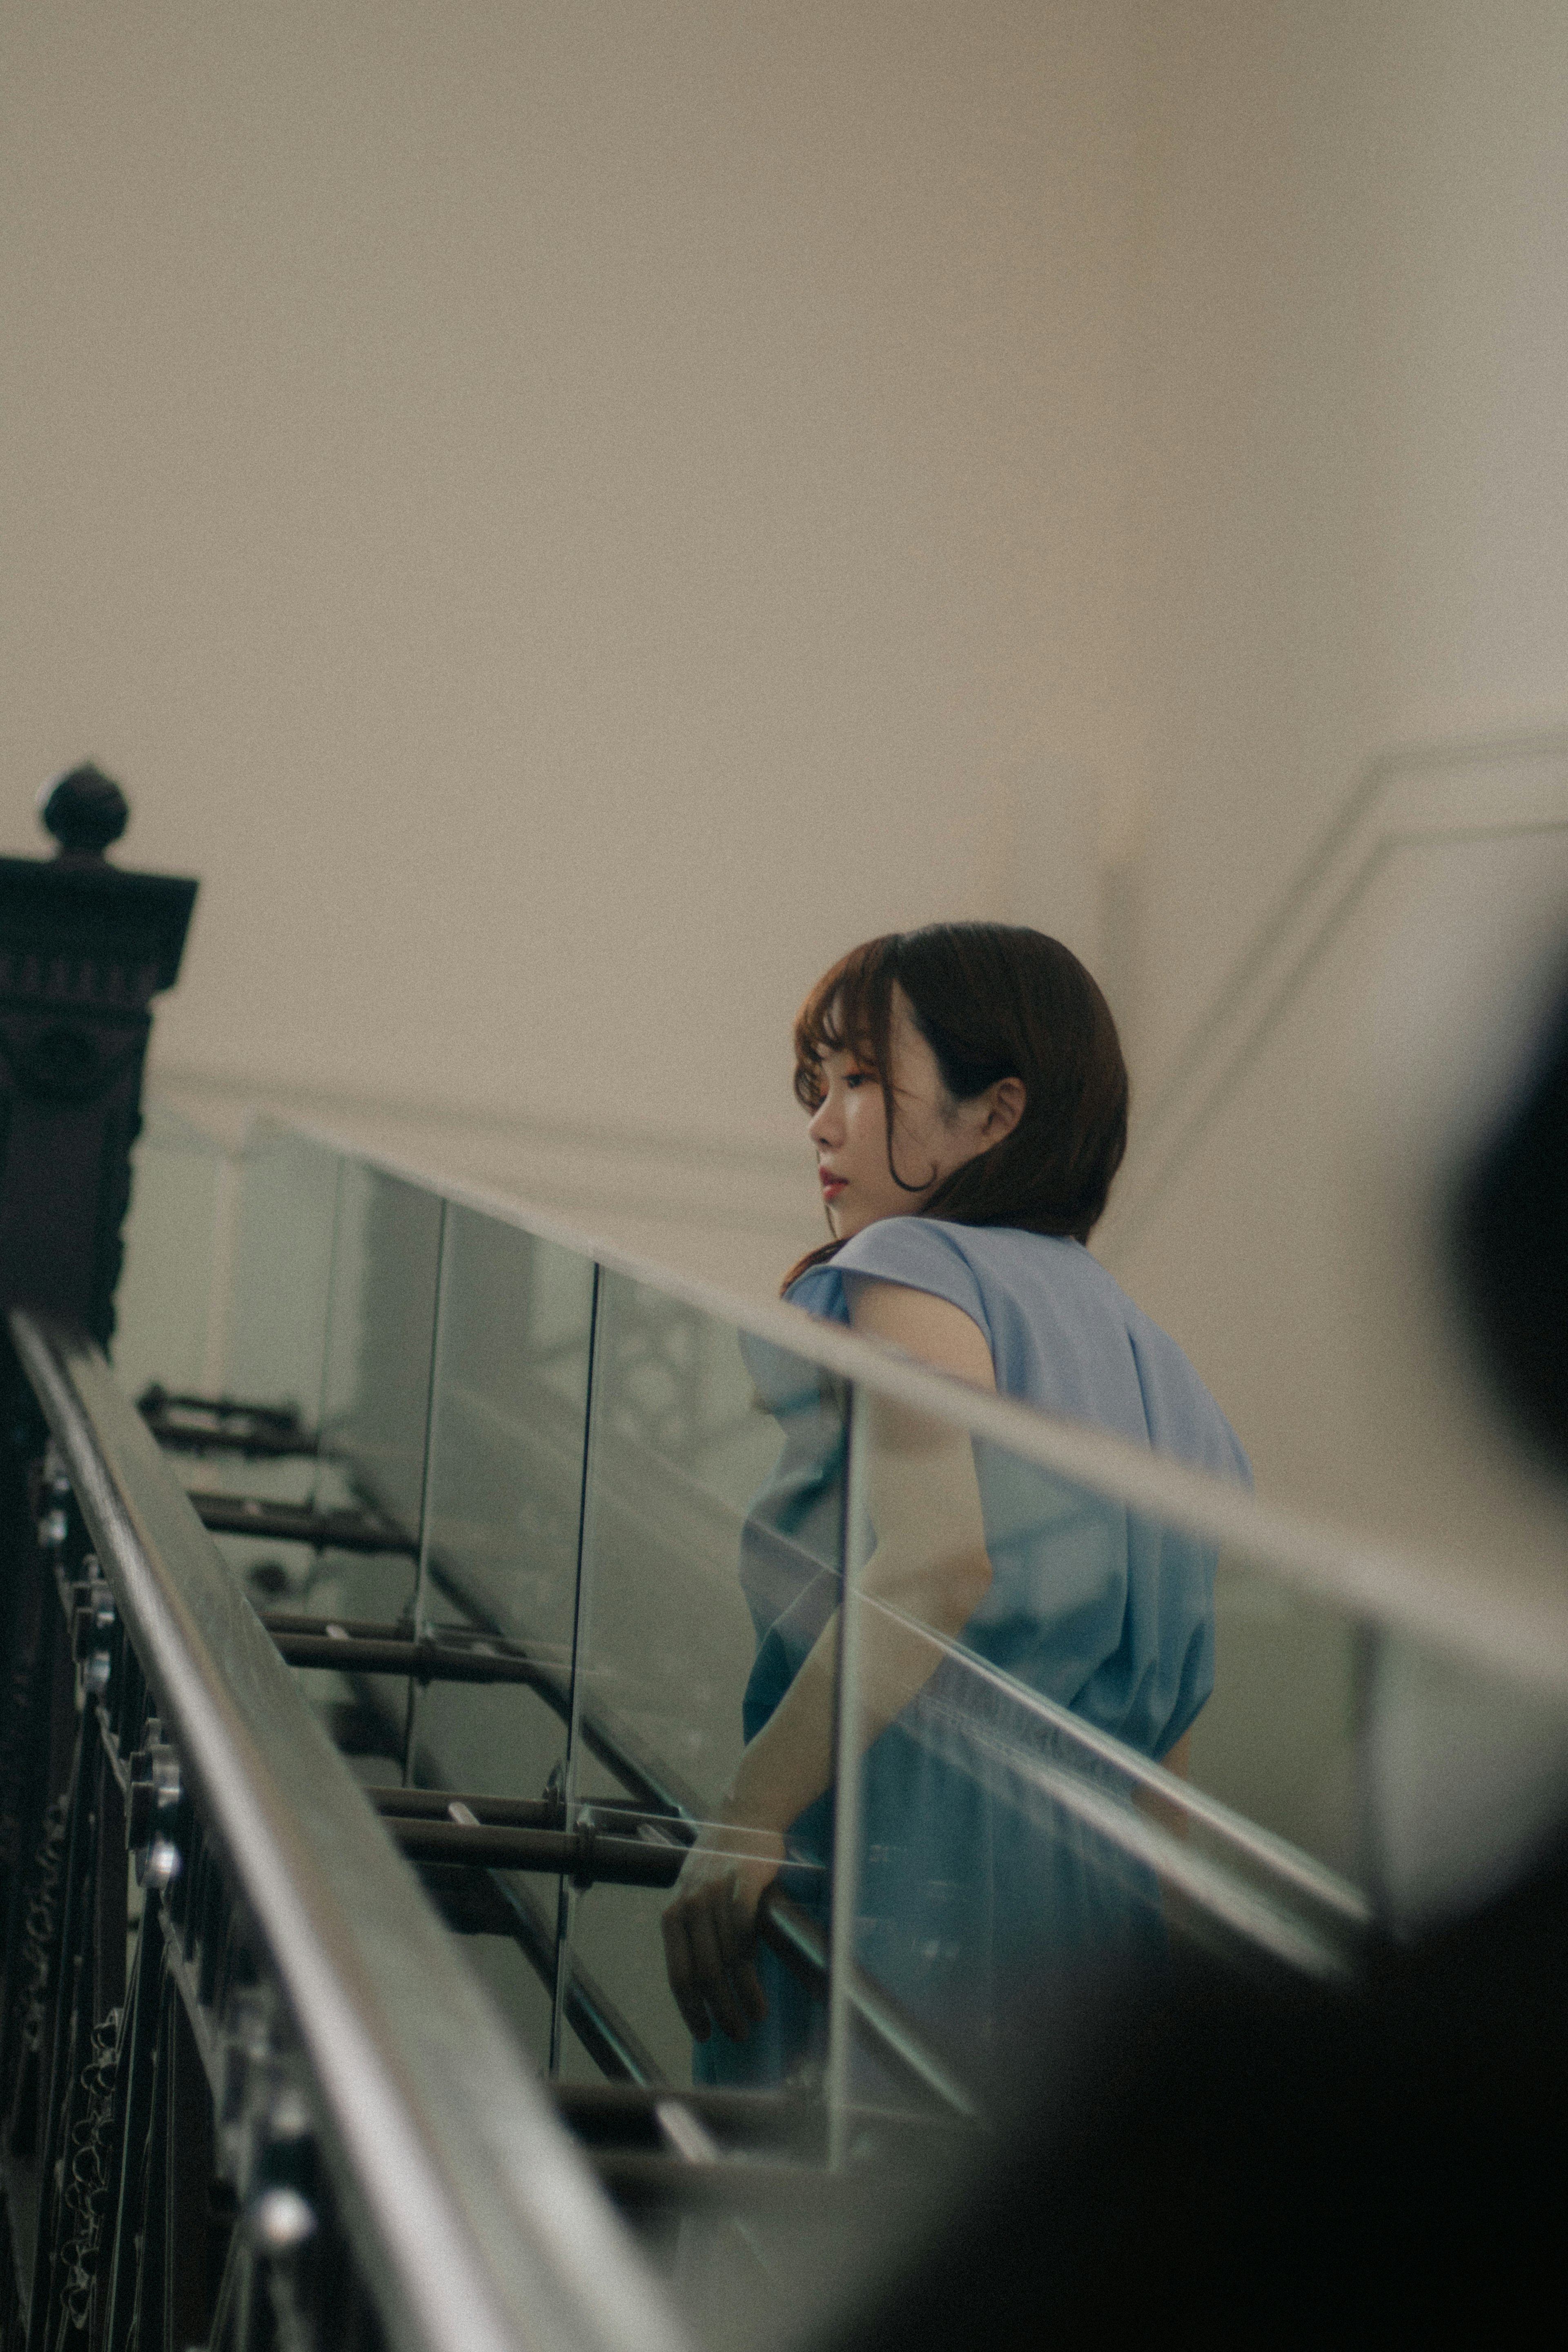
(1353, 535)
(1353, 378)
(565, 517)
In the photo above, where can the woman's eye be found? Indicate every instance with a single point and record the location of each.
(854, 1078)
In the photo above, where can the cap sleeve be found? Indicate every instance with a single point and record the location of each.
(918, 1256)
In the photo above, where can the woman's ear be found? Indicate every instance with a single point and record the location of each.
(1005, 1108)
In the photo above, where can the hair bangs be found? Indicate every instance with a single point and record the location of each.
(849, 1011)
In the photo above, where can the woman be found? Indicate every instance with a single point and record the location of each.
(968, 1103)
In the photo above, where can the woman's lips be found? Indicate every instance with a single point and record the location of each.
(831, 1185)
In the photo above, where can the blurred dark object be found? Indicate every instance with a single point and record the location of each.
(1222, 2162)
(84, 948)
(1510, 1227)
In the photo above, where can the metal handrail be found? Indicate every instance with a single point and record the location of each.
(478, 2224)
(1475, 1612)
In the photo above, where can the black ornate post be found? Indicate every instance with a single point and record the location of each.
(84, 949)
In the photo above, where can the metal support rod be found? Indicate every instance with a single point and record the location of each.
(429, 1661)
(847, 1745)
(301, 1523)
(193, 1424)
(580, 1619)
(432, 1429)
(587, 1856)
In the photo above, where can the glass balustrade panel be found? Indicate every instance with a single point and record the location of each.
(357, 1579)
(1022, 1839)
(1036, 1749)
(1060, 1777)
(279, 1242)
(500, 1565)
(380, 1336)
(279, 1280)
(711, 1516)
(1463, 1776)
(281, 1224)
(168, 1310)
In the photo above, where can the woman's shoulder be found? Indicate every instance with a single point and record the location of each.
(997, 1257)
(895, 1241)
(1064, 1333)
(965, 1263)
(918, 1254)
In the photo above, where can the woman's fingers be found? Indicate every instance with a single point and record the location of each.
(706, 1927)
(736, 1924)
(709, 1929)
(679, 1968)
(709, 1933)
(749, 1985)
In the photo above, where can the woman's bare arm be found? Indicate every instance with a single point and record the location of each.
(929, 1570)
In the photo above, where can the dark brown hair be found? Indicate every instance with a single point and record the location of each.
(992, 1000)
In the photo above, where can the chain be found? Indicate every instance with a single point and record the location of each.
(15, 1747)
(35, 1957)
(87, 2181)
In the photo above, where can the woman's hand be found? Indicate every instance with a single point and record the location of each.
(710, 1929)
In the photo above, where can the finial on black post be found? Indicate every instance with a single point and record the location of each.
(85, 810)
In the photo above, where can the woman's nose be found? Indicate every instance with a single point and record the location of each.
(824, 1120)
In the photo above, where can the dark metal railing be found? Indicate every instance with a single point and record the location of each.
(292, 1997)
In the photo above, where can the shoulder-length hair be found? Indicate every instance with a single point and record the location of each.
(992, 1000)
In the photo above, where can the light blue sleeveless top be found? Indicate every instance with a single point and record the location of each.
(1104, 1611)
(1061, 1332)
(1063, 1336)
(1109, 1613)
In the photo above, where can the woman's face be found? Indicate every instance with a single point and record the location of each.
(932, 1134)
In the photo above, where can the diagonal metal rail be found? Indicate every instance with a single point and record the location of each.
(477, 2224)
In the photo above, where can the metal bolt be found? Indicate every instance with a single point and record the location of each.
(91, 1618)
(162, 1864)
(53, 1528)
(289, 2119)
(281, 2221)
(152, 1803)
(248, 2073)
(96, 1674)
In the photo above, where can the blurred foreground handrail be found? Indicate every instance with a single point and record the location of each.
(478, 2226)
